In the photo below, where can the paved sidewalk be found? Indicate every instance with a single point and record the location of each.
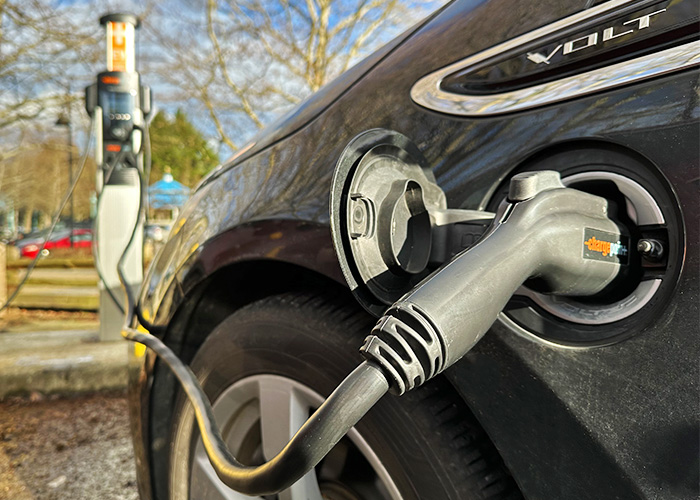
(60, 362)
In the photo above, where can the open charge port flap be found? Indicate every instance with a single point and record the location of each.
(389, 218)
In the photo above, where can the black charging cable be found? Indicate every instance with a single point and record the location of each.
(54, 221)
(348, 403)
(340, 412)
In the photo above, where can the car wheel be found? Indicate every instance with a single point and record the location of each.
(271, 363)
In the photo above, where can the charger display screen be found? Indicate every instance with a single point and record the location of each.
(117, 113)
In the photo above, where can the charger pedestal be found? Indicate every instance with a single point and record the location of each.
(115, 222)
(119, 106)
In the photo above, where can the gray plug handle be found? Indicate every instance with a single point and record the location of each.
(561, 236)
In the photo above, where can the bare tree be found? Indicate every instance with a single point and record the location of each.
(44, 47)
(47, 54)
(35, 180)
(242, 62)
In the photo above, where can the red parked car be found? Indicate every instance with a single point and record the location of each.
(30, 246)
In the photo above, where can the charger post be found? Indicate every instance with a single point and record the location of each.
(119, 106)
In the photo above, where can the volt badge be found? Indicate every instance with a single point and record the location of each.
(608, 247)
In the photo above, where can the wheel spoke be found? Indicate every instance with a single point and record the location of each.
(304, 489)
(336, 461)
(282, 412)
(206, 484)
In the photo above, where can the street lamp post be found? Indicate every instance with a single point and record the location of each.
(64, 121)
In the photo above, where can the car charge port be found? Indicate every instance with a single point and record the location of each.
(642, 208)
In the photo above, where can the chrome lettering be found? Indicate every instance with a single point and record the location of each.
(591, 40)
(608, 34)
(644, 20)
(538, 58)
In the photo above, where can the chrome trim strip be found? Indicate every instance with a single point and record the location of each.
(427, 91)
(635, 70)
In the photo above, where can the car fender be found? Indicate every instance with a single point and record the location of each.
(301, 243)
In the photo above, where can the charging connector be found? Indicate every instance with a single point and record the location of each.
(559, 237)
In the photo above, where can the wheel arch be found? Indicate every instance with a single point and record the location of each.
(214, 299)
(237, 267)
(282, 244)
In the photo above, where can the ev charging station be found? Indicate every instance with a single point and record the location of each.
(118, 105)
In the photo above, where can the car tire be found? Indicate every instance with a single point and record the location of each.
(422, 445)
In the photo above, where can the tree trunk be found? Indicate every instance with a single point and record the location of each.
(44, 220)
(27, 222)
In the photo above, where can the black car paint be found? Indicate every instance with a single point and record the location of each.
(613, 422)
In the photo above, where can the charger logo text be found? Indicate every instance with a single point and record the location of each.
(600, 245)
(606, 247)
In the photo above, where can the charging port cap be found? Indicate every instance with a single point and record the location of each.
(382, 198)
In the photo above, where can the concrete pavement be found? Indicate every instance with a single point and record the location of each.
(60, 362)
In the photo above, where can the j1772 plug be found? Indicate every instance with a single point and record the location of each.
(560, 239)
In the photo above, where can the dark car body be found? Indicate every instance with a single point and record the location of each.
(612, 421)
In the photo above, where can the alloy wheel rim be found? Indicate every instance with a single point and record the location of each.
(257, 416)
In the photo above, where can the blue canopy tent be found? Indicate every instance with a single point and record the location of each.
(167, 193)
